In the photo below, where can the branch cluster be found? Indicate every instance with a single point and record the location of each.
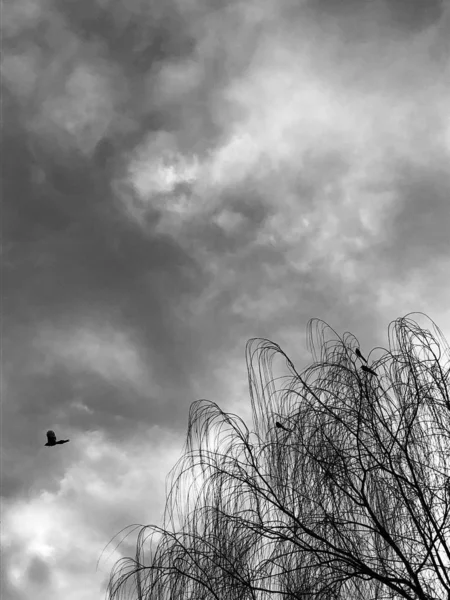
(347, 497)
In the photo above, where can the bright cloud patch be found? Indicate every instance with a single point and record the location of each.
(158, 168)
(50, 542)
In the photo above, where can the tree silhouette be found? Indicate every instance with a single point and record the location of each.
(353, 504)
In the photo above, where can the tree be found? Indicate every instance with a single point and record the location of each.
(352, 503)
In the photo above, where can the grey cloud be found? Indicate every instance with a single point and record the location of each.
(418, 234)
(38, 572)
(74, 251)
(404, 16)
(10, 589)
(265, 251)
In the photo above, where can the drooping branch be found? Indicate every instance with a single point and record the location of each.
(338, 489)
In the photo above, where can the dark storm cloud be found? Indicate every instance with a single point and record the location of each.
(407, 16)
(415, 15)
(181, 177)
(70, 253)
(135, 35)
(422, 220)
(74, 255)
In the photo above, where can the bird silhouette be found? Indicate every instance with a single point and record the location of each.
(280, 426)
(359, 355)
(368, 370)
(51, 439)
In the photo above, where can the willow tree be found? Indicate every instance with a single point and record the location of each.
(347, 497)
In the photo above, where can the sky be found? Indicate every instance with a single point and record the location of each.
(180, 176)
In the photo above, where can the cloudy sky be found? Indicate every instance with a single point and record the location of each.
(180, 176)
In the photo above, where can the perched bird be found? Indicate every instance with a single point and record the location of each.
(359, 355)
(368, 370)
(51, 439)
(280, 426)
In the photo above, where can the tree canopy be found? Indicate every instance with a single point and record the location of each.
(349, 499)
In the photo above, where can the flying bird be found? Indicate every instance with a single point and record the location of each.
(359, 355)
(368, 370)
(280, 426)
(51, 439)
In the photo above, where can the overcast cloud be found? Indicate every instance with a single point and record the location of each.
(180, 176)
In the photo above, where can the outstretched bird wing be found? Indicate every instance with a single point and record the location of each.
(51, 438)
